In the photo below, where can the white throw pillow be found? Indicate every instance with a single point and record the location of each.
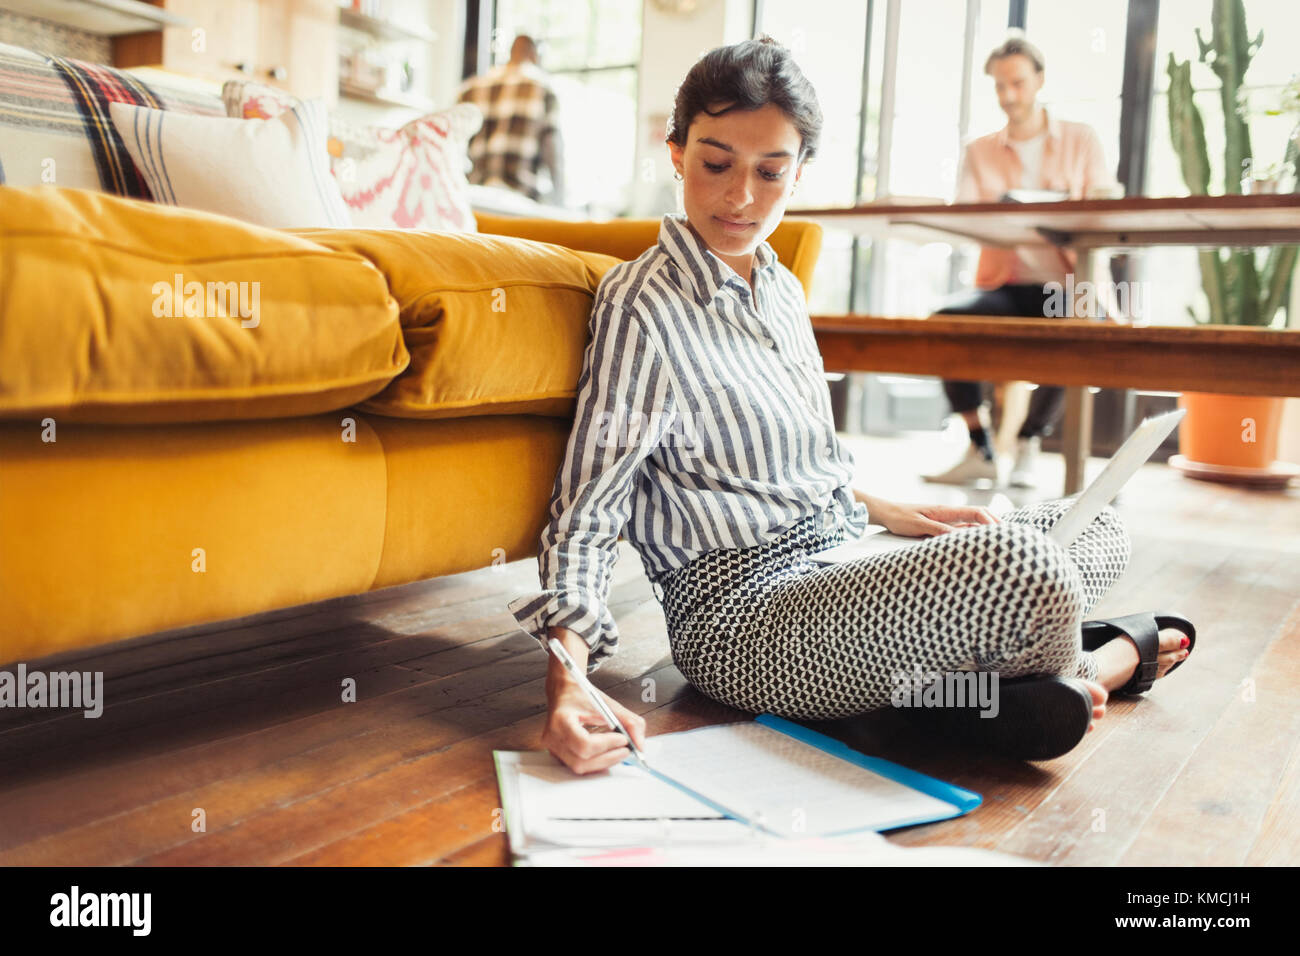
(407, 178)
(272, 172)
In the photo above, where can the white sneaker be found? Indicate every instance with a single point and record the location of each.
(972, 467)
(1023, 471)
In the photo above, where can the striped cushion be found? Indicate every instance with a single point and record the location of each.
(55, 126)
(270, 172)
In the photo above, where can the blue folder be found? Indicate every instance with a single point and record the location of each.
(959, 799)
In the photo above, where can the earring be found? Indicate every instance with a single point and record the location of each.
(677, 176)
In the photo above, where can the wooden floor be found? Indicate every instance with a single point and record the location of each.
(243, 721)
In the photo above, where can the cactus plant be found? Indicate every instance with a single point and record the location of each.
(1239, 292)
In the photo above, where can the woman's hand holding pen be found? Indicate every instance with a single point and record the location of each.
(918, 521)
(570, 713)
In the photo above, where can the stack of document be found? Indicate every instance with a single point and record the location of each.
(756, 793)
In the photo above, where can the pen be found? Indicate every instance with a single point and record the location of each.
(571, 666)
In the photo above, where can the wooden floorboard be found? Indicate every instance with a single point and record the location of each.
(1223, 779)
(379, 662)
(193, 656)
(244, 719)
(467, 693)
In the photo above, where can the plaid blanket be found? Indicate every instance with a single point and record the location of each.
(92, 88)
(55, 126)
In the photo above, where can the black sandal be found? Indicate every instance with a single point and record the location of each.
(1038, 718)
(1144, 628)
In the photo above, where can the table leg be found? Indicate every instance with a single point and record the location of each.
(1076, 436)
(1076, 429)
(1130, 411)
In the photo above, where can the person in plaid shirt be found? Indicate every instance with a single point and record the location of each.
(521, 130)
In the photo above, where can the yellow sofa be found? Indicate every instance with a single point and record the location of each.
(124, 527)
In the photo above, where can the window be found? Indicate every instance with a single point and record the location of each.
(591, 49)
(907, 278)
(925, 146)
(937, 103)
(828, 40)
(1084, 59)
(1174, 272)
(1272, 68)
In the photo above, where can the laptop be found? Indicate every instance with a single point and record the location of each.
(1131, 456)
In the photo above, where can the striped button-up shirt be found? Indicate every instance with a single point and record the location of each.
(703, 421)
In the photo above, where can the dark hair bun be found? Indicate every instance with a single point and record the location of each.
(747, 76)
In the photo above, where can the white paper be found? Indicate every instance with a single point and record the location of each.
(870, 849)
(778, 787)
(549, 806)
(786, 786)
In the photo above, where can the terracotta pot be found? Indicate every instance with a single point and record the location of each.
(1218, 429)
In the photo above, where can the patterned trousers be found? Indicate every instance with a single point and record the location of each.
(763, 629)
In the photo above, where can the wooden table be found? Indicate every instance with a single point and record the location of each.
(1083, 226)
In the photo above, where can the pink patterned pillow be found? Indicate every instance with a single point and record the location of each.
(407, 178)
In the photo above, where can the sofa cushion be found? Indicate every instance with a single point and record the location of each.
(273, 172)
(494, 325)
(102, 530)
(463, 492)
(407, 178)
(265, 324)
(55, 127)
(796, 242)
(117, 530)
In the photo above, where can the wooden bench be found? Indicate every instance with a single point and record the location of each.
(1072, 352)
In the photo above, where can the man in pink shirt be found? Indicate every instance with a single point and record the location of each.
(1033, 151)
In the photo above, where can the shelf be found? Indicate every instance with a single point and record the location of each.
(384, 29)
(101, 17)
(404, 100)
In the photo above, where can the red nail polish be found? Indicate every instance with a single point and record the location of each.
(1186, 641)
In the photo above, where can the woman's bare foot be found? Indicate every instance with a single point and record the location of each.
(1099, 697)
(1118, 658)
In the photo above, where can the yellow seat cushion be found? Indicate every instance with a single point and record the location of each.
(796, 242)
(118, 311)
(464, 493)
(494, 325)
(115, 531)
